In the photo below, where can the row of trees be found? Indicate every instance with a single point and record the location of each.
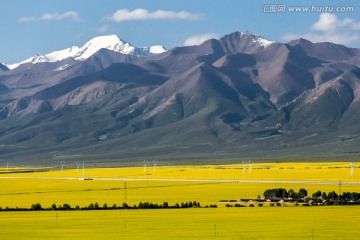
(147, 205)
(96, 206)
(347, 196)
(282, 193)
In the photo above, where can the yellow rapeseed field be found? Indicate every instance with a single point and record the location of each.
(176, 184)
(171, 183)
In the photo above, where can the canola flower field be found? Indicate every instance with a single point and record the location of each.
(175, 184)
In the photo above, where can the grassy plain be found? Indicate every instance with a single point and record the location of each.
(177, 184)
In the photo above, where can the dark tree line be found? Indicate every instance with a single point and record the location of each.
(346, 196)
(282, 193)
(96, 206)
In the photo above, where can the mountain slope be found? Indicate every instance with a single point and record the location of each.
(326, 105)
(82, 89)
(204, 100)
(203, 88)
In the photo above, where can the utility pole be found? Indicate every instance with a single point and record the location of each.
(78, 164)
(155, 162)
(125, 191)
(312, 234)
(62, 163)
(340, 183)
(352, 168)
(145, 164)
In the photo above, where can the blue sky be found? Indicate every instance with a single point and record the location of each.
(28, 27)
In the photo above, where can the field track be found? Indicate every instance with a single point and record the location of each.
(192, 180)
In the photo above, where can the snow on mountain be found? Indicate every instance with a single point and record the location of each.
(258, 39)
(62, 54)
(38, 58)
(62, 67)
(114, 43)
(155, 49)
(264, 42)
(111, 42)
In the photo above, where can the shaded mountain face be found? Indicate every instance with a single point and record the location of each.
(328, 51)
(238, 96)
(3, 67)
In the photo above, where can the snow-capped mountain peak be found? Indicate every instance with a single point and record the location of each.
(114, 43)
(38, 58)
(258, 39)
(110, 42)
(62, 54)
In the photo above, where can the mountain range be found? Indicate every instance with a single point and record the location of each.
(236, 97)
